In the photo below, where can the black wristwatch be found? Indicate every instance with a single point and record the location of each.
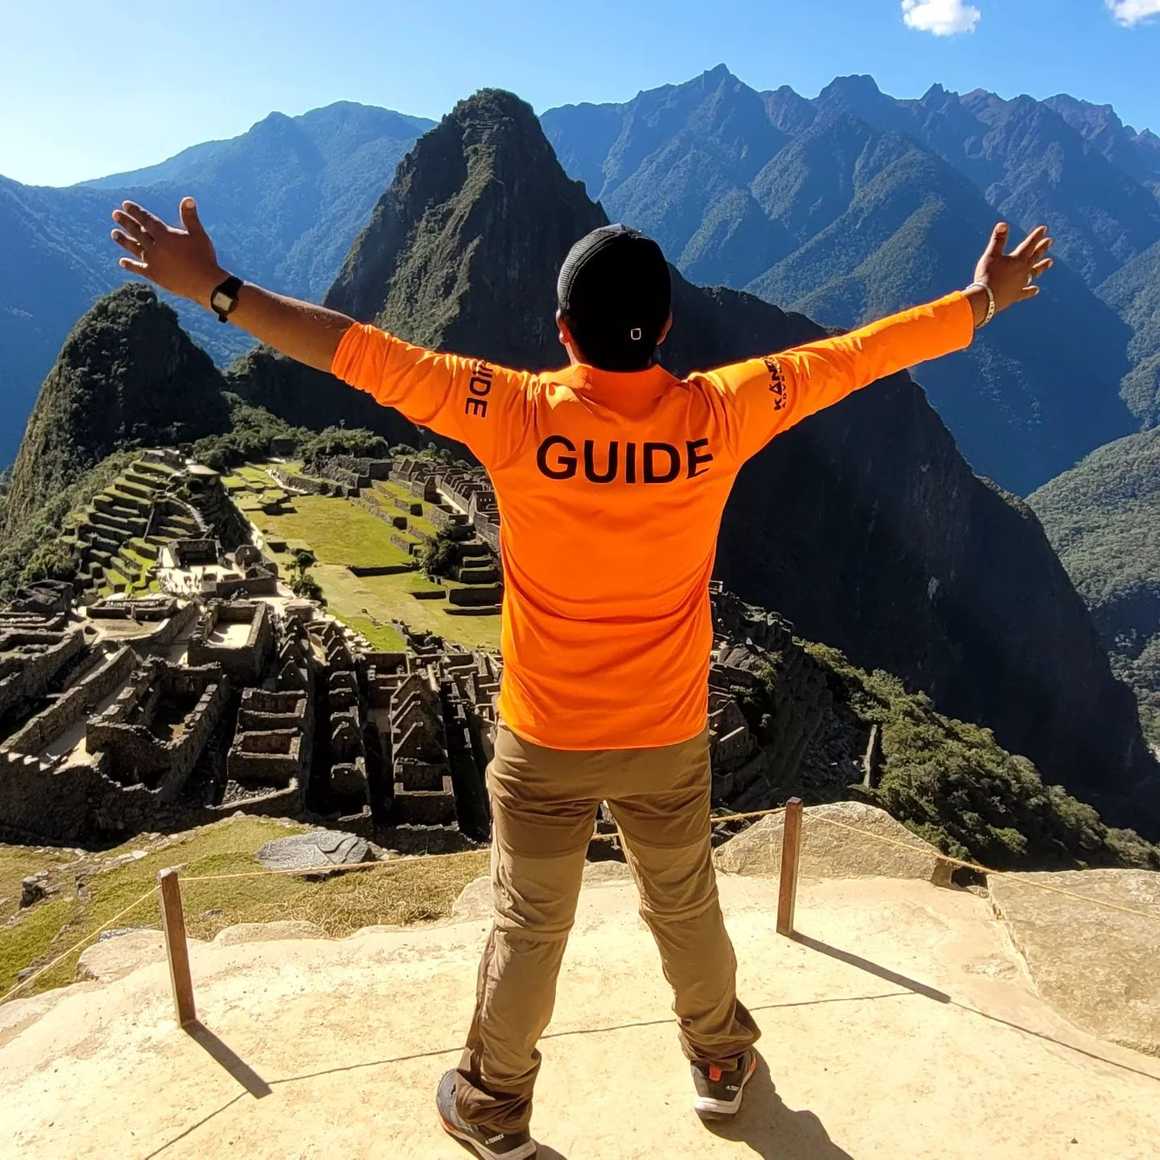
(225, 297)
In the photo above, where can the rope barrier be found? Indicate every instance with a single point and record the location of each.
(331, 868)
(1023, 881)
(76, 946)
(748, 815)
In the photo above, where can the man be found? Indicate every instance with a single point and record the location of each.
(611, 477)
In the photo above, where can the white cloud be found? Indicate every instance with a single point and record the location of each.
(950, 17)
(1130, 12)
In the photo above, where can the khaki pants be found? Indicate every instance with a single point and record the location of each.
(544, 804)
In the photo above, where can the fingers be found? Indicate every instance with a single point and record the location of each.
(1029, 243)
(189, 217)
(131, 226)
(998, 240)
(135, 267)
(152, 223)
(1042, 248)
(1026, 293)
(126, 242)
(1040, 267)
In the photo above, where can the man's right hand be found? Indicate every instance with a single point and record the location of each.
(1010, 277)
(181, 261)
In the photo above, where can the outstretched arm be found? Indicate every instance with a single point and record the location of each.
(468, 400)
(767, 395)
(183, 261)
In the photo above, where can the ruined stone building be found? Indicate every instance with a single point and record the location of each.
(236, 634)
(273, 745)
(343, 715)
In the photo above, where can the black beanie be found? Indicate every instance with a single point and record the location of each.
(614, 290)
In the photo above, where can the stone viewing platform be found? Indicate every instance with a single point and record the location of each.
(901, 1023)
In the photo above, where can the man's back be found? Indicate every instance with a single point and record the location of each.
(608, 525)
(611, 487)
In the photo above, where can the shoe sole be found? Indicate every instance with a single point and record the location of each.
(707, 1106)
(523, 1152)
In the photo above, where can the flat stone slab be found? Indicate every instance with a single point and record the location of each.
(474, 899)
(318, 848)
(831, 852)
(1096, 966)
(857, 1062)
(114, 958)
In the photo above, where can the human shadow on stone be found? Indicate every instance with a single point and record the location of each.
(773, 1130)
(225, 1055)
(871, 968)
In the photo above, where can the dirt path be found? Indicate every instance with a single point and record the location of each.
(906, 1029)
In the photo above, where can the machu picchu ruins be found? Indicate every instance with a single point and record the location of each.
(183, 676)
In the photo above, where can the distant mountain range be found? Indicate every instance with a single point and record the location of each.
(845, 206)
(283, 200)
(854, 204)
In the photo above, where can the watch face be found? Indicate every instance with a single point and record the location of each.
(221, 301)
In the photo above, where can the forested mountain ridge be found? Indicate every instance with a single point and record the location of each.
(854, 203)
(1103, 517)
(894, 551)
(284, 201)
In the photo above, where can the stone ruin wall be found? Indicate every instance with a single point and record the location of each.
(73, 705)
(273, 741)
(423, 789)
(345, 717)
(246, 661)
(30, 658)
(134, 750)
(68, 801)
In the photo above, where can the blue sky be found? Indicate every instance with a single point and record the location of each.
(88, 87)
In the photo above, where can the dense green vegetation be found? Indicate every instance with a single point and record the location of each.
(1103, 518)
(1134, 291)
(955, 786)
(439, 554)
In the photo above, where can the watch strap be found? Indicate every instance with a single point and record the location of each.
(228, 289)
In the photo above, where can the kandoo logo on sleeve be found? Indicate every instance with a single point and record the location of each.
(559, 458)
(478, 388)
(776, 382)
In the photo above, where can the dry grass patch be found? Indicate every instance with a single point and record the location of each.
(396, 892)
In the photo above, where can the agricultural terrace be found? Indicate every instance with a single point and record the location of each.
(343, 534)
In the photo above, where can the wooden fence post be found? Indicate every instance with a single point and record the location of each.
(791, 845)
(176, 948)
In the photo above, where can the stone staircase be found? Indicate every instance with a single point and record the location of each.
(480, 587)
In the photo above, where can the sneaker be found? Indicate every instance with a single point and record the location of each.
(486, 1143)
(719, 1092)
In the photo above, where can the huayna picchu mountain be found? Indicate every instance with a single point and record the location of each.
(864, 525)
(127, 376)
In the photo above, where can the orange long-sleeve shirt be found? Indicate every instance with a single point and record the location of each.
(611, 488)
